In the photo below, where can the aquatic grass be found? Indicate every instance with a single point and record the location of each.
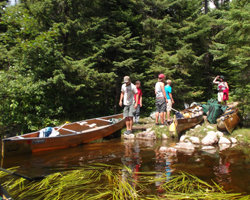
(102, 181)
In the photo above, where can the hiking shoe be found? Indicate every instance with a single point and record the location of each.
(129, 132)
(157, 124)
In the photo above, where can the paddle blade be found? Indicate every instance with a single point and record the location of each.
(172, 127)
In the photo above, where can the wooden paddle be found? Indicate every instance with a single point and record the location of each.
(25, 177)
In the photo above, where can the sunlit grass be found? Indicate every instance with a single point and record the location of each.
(102, 181)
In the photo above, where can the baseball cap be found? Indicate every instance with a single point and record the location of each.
(126, 79)
(221, 76)
(161, 76)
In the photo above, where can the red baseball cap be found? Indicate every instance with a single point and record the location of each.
(161, 76)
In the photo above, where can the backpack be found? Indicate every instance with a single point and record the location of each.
(212, 101)
(214, 112)
(205, 108)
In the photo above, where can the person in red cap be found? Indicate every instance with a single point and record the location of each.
(161, 99)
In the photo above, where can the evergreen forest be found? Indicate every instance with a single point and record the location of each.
(66, 59)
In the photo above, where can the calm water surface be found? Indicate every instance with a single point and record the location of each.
(229, 167)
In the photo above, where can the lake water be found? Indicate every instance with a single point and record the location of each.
(229, 167)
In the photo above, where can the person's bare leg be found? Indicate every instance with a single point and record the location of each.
(130, 123)
(127, 123)
(156, 117)
(162, 117)
(168, 115)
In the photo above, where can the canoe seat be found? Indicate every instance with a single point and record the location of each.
(82, 123)
(92, 125)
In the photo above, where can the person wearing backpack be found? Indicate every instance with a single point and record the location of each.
(222, 88)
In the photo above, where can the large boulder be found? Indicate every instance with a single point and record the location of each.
(210, 138)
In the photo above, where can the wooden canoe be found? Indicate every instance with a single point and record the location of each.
(184, 124)
(228, 121)
(70, 135)
(4, 194)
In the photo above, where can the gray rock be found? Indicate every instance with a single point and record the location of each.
(194, 140)
(233, 140)
(224, 146)
(224, 140)
(197, 126)
(219, 134)
(130, 136)
(210, 127)
(164, 136)
(183, 137)
(185, 145)
(210, 138)
(146, 135)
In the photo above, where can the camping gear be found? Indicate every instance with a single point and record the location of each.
(177, 113)
(71, 134)
(210, 101)
(229, 120)
(172, 127)
(214, 112)
(196, 117)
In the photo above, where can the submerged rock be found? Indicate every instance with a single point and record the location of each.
(185, 145)
(167, 149)
(224, 140)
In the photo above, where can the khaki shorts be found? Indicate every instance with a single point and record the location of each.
(129, 111)
(169, 105)
(220, 96)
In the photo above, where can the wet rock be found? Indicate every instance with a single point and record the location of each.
(167, 149)
(183, 137)
(194, 140)
(185, 145)
(146, 135)
(224, 146)
(210, 127)
(233, 140)
(207, 147)
(210, 138)
(197, 126)
(219, 134)
(164, 136)
(224, 140)
(130, 136)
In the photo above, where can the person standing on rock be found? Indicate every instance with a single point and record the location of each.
(137, 112)
(161, 99)
(168, 91)
(222, 88)
(128, 90)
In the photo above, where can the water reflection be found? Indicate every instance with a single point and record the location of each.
(227, 166)
(163, 165)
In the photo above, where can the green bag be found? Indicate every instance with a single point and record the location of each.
(212, 101)
(205, 108)
(223, 108)
(214, 112)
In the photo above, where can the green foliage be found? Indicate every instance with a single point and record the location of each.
(65, 60)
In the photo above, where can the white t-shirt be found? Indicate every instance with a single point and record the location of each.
(129, 92)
